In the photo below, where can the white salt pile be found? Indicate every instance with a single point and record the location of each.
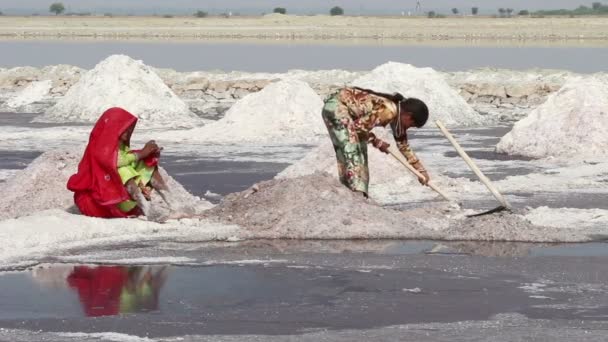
(42, 186)
(444, 102)
(382, 167)
(119, 81)
(317, 206)
(572, 122)
(285, 112)
(35, 91)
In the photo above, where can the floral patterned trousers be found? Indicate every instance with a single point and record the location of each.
(350, 147)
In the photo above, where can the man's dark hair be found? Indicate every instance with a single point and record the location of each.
(419, 110)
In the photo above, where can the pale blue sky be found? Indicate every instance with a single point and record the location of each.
(294, 6)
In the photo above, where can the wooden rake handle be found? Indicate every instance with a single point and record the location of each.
(485, 180)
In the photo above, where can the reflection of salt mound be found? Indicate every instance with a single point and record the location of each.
(35, 91)
(573, 121)
(42, 186)
(284, 112)
(119, 81)
(317, 207)
(426, 84)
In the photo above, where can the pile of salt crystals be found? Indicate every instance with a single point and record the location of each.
(120, 81)
(42, 186)
(572, 122)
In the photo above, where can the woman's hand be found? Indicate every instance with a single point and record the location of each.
(426, 179)
(418, 166)
(150, 148)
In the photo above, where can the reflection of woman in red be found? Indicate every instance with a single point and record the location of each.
(99, 288)
(112, 290)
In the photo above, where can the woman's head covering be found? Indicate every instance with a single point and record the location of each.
(97, 172)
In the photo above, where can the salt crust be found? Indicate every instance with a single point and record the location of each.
(35, 91)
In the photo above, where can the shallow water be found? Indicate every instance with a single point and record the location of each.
(283, 56)
(291, 296)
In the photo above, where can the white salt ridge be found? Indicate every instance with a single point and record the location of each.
(568, 217)
(285, 112)
(119, 81)
(52, 232)
(106, 336)
(34, 92)
(444, 102)
(572, 122)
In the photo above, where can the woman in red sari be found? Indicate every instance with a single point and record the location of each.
(114, 181)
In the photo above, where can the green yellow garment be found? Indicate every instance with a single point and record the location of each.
(132, 300)
(129, 167)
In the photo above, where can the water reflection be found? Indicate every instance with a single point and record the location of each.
(110, 290)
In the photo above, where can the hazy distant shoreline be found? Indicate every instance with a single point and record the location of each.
(316, 28)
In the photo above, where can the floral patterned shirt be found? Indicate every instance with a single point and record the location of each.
(369, 111)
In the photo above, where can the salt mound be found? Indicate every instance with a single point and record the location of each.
(573, 121)
(444, 103)
(288, 111)
(35, 91)
(42, 186)
(317, 207)
(119, 81)
(383, 168)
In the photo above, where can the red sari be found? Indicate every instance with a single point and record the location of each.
(97, 185)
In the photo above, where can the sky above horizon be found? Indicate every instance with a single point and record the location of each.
(293, 6)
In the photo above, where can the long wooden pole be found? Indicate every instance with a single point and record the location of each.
(485, 180)
(399, 157)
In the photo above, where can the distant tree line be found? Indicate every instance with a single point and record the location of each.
(597, 8)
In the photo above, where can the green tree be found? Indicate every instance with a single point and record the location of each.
(509, 12)
(455, 11)
(280, 10)
(432, 14)
(475, 10)
(201, 14)
(1, 14)
(596, 6)
(524, 12)
(57, 8)
(336, 11)
(502, 12)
